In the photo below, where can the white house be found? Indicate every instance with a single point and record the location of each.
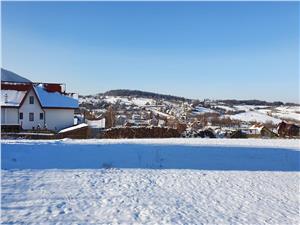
(35, 105)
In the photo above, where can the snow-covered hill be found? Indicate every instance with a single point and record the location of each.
(255, 116)
(188, 108)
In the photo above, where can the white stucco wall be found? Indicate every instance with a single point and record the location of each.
(57, 119)
(9, 116)
(35, 108)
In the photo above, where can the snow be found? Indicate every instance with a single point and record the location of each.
(125, 100)
(142, 101)
(152, 181)
(202, 110)
(14, 97)
(96, 123)
(255, 143)
(287, 115)
(157, 112)
(149, 197)
(250, 107)
(55, 99)
(283, 112)
(226, 108)
(47, 99)
(73, 128)
(287, 112)
(295, 109)
(114, 99)
(254, 116)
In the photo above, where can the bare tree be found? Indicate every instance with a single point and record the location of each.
(110, 119)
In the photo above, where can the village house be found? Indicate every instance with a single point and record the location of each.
(256, 131)
(32, 106)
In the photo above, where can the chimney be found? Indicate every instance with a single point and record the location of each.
(6, 98)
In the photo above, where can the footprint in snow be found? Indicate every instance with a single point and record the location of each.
(60, 205)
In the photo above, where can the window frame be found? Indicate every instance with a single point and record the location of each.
(21, 116)
(31, 100)
(41, 116)
(31, 119)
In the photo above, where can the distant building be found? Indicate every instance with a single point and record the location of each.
(258, 131)
(34, 106)
(120, 120)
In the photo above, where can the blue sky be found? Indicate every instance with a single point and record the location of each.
(217, 50)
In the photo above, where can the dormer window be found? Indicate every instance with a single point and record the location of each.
(31, 100)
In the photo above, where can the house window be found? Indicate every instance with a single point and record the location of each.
(41, 116)
(31, 116)
(21, 116)
(31, 100)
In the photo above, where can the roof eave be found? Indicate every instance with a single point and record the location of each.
(50, 107)
(10, 106)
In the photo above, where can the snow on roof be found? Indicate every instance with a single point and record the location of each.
(258, 127)
(8, 76)
(55, 99)
(73, 128)
(156, 112)
(13, 97)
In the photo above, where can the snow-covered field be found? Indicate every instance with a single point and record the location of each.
(254, 116)
(160, 181)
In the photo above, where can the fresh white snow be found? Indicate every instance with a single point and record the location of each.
(96, 123)
(73, 128)
(283, 112)
(150, 181)
(202, 110)
(287, 112)
(226, 108)
(11, 97)
(126, 100)
(250, 107)
(55, 99)
(254, 116)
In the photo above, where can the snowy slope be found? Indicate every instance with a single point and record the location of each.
(249, 107)
(226, 108)
(287, 112)
(208, 181)
(120, 99)
(254, 116)
(201, 110)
